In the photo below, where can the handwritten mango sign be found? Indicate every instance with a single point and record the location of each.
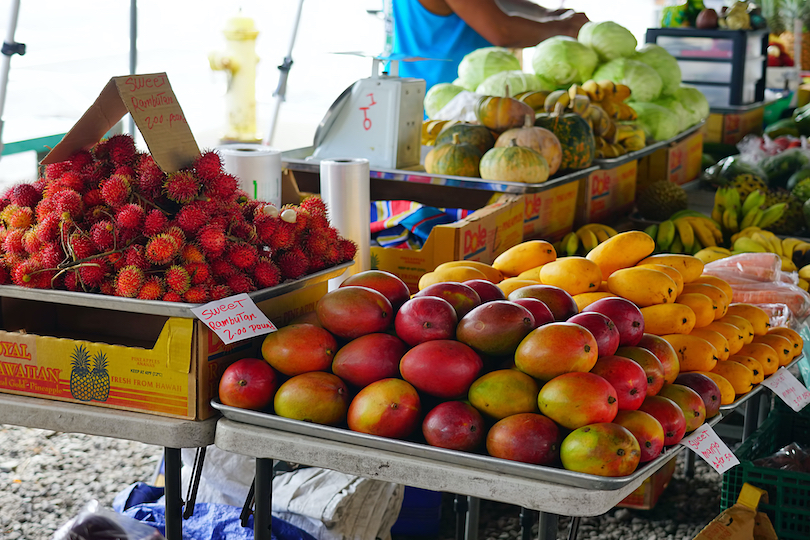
(234, 318)
(705, 443)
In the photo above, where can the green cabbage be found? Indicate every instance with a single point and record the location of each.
(693, 101)
(658, 122)
(663, 63)
(675, 106)
(438, 96)
(608, 39)
(644, 81)
(563, 61)
(518, 81)
(476, 66)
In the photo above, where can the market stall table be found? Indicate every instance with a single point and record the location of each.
(170, 433)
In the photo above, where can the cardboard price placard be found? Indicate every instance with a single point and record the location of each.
(235, 318)
(705, 443)
(788, 387)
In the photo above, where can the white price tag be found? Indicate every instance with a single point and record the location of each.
(234, 318)
(705, 443)
(788, 387)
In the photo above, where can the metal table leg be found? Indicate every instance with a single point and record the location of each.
(547, 526)
(751, 416)
(689, 466)
(174, 501)
(460, 506)
(473, 512)
(574, 530)
(526, 522)
(262, 515)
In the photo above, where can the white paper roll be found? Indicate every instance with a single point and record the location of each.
(257, 167)
(345, 190)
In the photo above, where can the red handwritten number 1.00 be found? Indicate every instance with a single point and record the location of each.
(366, 119)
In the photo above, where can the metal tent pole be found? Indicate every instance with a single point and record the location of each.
(280, 93)
(133, 51)
(10, 48)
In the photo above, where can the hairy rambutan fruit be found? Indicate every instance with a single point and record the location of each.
(161, 249)
(5, 277)
(212, 240)
(93, 197)
(243, 256)
(93, 273)
(125, 170)
(347, 249)
(220, 291)
(177, 279)
(155, 223)
(103, 235)
(54, 170)
(266, 273)
(153, 289)
(44, 208)
(316, 243)
(208, 166)
(222, 188)
(243, 230)
(118, 149)
(198, 294)
(191, 217)
(71, 281)
(265, 209)
(116, 260)
(130, 216)
(240, 283)
(178, 234)
(172, 296)
(191, 253)
(80, 159)
(13, 242)
(293, 263)
(317, 221)
(51, 254)
(332, 255)
(285, 236)
(71, 180)
(222, 269)
(81, 246)
(129, 281)
(198, 272)
(18, 217)
(25, 195)
(181, 187)
(265, 227)
(31, 242)
(125, 237)
(116, 190)
(313, 205)
(28, 274)
(150, 176)
(97, 173)
(134, 255)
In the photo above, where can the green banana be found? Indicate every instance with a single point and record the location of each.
(666, 235)
(755, 199)
(747, 245)
(751, 218)
(732, 198)
(652, 231)
(677, 246)
(588, 239)
(570, 243)
(772, 214)
(688, 212)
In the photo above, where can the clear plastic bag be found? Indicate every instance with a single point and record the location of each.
(97, 523)
(765, 267)
(793, 296)
(778, 313)
(788, 458)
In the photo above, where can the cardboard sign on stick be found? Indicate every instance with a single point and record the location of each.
(154, 107)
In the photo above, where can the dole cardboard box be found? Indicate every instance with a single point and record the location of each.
(680, 162)
(730, 126)
(549, 214)
(481, 236)
(607, 193)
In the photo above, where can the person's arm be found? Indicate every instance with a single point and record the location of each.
(500, 29)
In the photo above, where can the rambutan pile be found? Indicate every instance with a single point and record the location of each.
(109, 221)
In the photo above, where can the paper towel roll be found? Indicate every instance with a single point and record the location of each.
(345, 190)
(257, 167)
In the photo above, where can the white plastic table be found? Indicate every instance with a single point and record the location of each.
(550, 499)
(170, 433)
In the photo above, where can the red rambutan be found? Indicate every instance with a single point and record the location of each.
(93, 273)
(13, 242)
(129, 281)
(118, 149)
(116, 190)
(243, 230)
(130, 216)
(198, 294)
(265, 227)
(191, 253)
(155, 223)
(103, 235)
(181, 187)
(347, 249)
(221, 269)
(150, 176)
(153, 289)
(177, 279)
(81, 246)
(243, 256)
(314, 205)
(220, 291)
(31, 241)
(208, 166)
(172, 296)
(25, 195)
(161, 249)
(293, 263)
(80, 159)
(44, 208)
(266, 273)
(222, 188)
(55, 170)
(178, 234)
(18, 217)
(191, 217)
(240, 283)
(284, 237)
(134, 255)
(316, 243)
(71, 180)
(212, 240)
(71, 281)
(51, 254)
(93, 198)
(28, 274)
(198, 272)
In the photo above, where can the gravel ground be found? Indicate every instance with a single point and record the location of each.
(46, 477)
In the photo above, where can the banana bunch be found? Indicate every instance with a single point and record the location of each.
(735, 214)
(713, 253)
(686, 231)
(795, 252)
(622, 135)
(431, 130)
(584, 239)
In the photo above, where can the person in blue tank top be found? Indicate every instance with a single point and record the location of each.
(450, 29)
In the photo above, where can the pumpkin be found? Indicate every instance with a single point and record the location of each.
(474, 134)
(535, 99)
(514, 163)
(536, 138)
(575, 136)
(501, 113)
(455, 158)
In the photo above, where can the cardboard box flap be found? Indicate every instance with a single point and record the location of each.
(482, 213)
(154, 107)
(175, 342)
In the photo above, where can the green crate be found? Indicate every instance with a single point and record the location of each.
(788, 492)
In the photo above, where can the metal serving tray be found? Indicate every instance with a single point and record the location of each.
(300, 160)
(649, 149)
(158, 307)
(468, 459)
(757, 389)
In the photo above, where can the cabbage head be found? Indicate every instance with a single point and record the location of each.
(563, 61)
(644, 82)
(608, 39)
(663, 63)
(438, 96)
(658, 122)
(476, 66)
(693, 100)
(674, 106)
(517, 81)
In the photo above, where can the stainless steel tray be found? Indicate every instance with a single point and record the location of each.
(467, 459)
(649, 149)
(757, 389)
(158, 307)
(300, 160)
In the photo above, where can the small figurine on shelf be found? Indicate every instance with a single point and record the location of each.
(683, 15)
(736, 17)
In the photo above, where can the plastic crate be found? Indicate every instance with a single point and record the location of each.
(421, 513)
(788, 492)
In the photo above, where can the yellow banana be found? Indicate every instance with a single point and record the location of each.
(557, 96)
(744, 244)
(760, 239)
(753, 216)
(788, 265)
(598, 230)
(774, 241)
(702, 231)
(593, 90)
(588, 240)
(576, 90)
(621, 92)
(608, 89)
(804, 273)
(666, 235)
(685, 233)
(788, 244)
(609, 230)
(708, 255)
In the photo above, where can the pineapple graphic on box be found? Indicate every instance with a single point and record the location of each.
(100, 378)
(80, 380)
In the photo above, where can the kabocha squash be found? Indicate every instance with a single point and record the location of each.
(455, 158)
(575, 136)
(538, 139)
(501, 113)
(535, 99)
(474, 134)
(514, 163)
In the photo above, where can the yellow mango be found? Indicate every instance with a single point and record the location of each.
(782, 345)
(574, 275)
(663, 319)
(492, 274)
(743, 324)
(720, 299)
(758, 316)
(586, 299)
(455, 273)
(733, 334)
(642, 286)
(715, 338)
(701, 304)
(727, 393)
(512, 284)
(689, 266)
(764, 354)
(751, 363)
(720, 283)
(524, 256)
(621, 251)
(531, 273)
(792, 335)
(740, 377)
(668, 270)
(694, 353)
(603, 287)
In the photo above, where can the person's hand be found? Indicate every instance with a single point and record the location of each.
(569, 26)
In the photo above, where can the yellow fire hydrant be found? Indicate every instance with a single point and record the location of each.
(239, 61)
